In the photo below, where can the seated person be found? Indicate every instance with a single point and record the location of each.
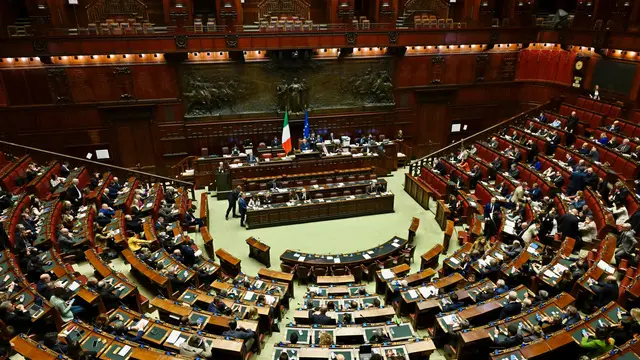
(107, 211)
(239, 333)
(454, 305)
(379, 337)
(321, 318)
(196, 347)
(604, 292)
(511, 337)
(134, 243)
(513, 307)
(67, 310)
(598, 343)
(218, 307)
(191, 220)
(488, 293)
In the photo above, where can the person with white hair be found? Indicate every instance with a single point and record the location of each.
(512, 308)
(74, 194)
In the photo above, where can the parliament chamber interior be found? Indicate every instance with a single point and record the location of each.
(444, 179)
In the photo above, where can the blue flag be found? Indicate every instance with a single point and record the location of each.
(306, 131)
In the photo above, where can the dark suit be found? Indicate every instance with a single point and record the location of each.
(242, 205)
(233, 198)
(74, 195)
(511, 309)
(568, 226)
(320, 319)
(604, 293)
(576, 182)
(188, 254)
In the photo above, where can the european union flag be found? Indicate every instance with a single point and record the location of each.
(306, 130)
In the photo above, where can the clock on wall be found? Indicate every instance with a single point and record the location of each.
(578, 73)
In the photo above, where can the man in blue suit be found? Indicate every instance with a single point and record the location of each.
(576, 182)
(242, 204)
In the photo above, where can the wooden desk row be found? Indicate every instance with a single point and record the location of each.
(326, 191)
(81, 173)
(320, 209)
(426, 309)
(565, 340)
(269, 281)
(123, 288)
(368, 315)
(125, 196)
(352, 333)
(22, 292)
(478, 340)
(49, 217)
(172, 311)
(477, 314)
(381, 252)
(412, 296)
(66, 275)
(416, 349)
(95, 195)
(273, 293)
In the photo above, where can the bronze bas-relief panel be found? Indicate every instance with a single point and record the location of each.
(275, 86)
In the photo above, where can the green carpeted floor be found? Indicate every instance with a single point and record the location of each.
(335, 236)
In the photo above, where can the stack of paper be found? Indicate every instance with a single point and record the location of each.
(413, 293)
(173, 337)
(258, 284)
(248, 295)
(387, 274)
(124, 351)
(454, 261)
(606, 267)
(74, 286)
(551, 274)
(366, 256)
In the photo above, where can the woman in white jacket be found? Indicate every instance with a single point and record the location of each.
(620, 213)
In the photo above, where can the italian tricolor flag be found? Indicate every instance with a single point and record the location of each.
(286, 134)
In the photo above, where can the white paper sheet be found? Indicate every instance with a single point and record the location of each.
(248, 295)
(387, 274)
(173, 336)
(124, 351)
(413, 293)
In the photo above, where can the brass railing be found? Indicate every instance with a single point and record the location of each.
(43, 156)
(298, 8)
(99, 10)
(428, 161)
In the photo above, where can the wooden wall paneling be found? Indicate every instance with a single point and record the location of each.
(155, 82)
(480, 69)
(3, 93)
(16, 87)
(80, 84)
(509, 66)
(58, 84)
(438, 69)
(123, 82)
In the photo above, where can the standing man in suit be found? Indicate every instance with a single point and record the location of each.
(491, 218)
(64, 169)
(233, 198)
(569, 226)
(74, 194)
(572, 126)
(242, 206)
